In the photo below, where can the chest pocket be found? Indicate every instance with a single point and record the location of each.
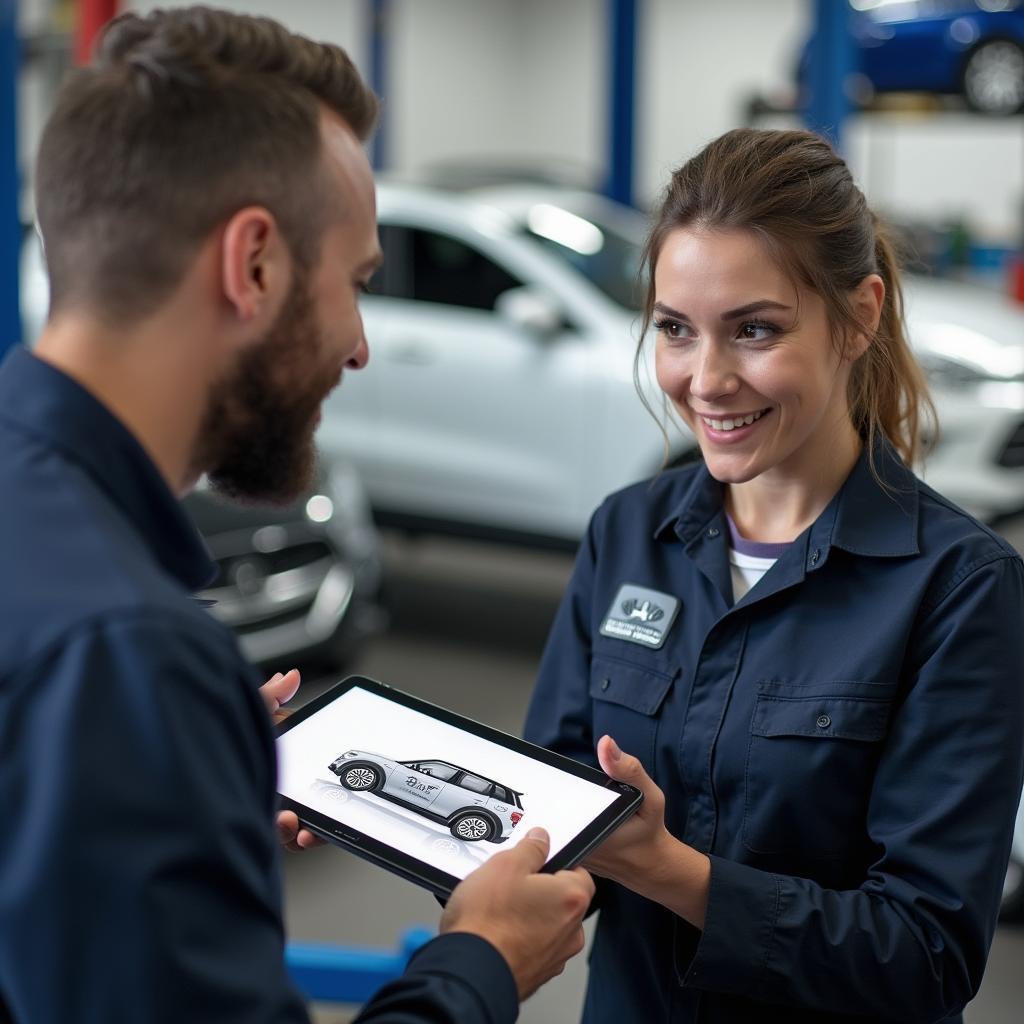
(626, 698)
(810, 765)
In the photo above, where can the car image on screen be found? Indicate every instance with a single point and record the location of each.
(471, 806)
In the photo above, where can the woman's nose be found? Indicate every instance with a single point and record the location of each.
(713, 374)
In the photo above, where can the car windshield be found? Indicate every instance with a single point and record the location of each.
(606, 253)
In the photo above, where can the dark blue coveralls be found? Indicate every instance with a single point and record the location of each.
(139, 870)
(845, 743)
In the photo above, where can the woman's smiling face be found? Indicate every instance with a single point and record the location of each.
(746, 358)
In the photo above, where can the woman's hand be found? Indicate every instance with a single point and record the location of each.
(278, 690)
(631, 852)
(643, 855)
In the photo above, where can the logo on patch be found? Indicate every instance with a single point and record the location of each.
(640, 615)
(645, 612)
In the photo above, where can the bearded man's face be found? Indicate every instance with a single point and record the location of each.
(256, 441)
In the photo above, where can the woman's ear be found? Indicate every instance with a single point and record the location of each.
(866, 301)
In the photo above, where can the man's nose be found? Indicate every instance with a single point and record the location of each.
(361, 356)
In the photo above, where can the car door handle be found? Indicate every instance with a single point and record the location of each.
(413, 353)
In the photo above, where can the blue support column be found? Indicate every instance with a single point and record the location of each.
(831, 64)
(622, 43)
(10, 224)
(338, 974)
(380, 27)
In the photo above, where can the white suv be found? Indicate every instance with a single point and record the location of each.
(472, 807)
(499, 398)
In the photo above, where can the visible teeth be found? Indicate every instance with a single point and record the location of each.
(732, 424)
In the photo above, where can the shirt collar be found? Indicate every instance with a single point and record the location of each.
(39, 399)
(868, 516)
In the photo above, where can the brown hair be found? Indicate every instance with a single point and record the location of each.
(184, 117)
(794, 192)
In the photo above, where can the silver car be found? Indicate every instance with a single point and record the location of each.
(471, 806)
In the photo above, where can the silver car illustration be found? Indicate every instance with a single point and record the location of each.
(471, 806)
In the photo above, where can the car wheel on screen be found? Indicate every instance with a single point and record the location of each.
(1012, 906)
(361, 777)
(472, 827)
(993, 80)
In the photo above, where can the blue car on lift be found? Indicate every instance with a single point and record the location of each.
(971, 47)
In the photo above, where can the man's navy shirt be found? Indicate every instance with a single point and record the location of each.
(139, 873)
(844, 742)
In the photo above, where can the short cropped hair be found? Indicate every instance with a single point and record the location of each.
(184, 117)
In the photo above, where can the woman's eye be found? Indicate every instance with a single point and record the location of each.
(670, 328)
(757, 331)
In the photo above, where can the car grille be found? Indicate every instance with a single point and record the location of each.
(255, 588)
(1012, 455)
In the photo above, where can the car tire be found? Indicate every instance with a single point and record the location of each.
(993, 78)
(474, 826)
(360, 777)
(1012, 906)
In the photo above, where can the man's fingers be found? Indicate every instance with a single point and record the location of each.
(287, 827)
(532, 852)
(280, 688)
(585, 881)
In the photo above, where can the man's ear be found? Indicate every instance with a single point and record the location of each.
(866, 300)
(254, 264)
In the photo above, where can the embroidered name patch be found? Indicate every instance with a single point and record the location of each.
(640, 615)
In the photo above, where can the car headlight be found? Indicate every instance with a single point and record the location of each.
(951, 373)
(954, 355)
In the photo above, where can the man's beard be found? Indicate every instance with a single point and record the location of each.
(256, 440)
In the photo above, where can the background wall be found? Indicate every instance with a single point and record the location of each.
(525, 81)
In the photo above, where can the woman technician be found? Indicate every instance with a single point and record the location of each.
(813, 663)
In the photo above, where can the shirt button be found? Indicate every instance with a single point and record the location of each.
(605, 683)
(815, 555)
(824, 721)
(713, 532)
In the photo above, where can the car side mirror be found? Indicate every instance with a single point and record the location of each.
(530, 309)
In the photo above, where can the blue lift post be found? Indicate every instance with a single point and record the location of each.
(333, 974)
(380, 14)
(831, 64)
(10, 222)
(621, 141)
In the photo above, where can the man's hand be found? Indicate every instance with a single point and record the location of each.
(278, 690)
(533, 920)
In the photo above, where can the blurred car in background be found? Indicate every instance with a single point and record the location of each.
(500, 401)
(297, 584)
(974, 48)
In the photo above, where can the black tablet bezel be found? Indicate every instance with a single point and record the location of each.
(426, 875)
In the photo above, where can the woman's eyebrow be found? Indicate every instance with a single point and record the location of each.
(660, 307)
(732, 314)
(755, 307)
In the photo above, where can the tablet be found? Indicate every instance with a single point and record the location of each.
(431, 795)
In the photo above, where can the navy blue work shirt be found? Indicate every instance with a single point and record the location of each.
(844, 742)
(139, 868)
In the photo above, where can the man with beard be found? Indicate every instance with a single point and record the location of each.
(208, 218)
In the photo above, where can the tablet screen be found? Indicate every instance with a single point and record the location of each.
(384, 769)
